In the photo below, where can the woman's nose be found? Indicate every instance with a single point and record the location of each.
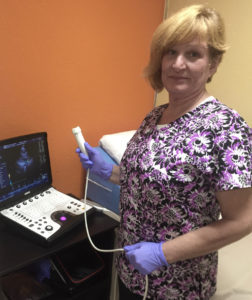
(179, 62)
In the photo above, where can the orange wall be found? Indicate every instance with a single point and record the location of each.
(74, 62)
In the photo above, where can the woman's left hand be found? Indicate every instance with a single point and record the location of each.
(146, 256)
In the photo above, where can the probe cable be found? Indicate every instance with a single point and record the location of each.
(104, 250)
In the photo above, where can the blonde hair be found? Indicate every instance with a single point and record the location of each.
(193, 21)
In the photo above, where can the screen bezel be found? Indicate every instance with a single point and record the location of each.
(35, 190)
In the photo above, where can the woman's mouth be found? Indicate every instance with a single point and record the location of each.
(174, 77)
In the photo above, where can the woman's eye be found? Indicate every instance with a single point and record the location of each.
(171, 52)
(194, 54)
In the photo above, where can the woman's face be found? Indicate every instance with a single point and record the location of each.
(186, 68)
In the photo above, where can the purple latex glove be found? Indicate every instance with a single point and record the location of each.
(95, 162)
(146, 256)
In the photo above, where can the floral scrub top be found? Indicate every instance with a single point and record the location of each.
(169, 177)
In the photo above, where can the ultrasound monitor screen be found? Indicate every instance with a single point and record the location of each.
(24, 166)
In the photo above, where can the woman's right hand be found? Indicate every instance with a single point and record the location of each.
(95, 162)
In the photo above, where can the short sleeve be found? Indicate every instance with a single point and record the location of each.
(234, 157)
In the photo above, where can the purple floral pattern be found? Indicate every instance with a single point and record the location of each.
(169, 177)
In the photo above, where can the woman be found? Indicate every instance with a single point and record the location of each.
(189, 162)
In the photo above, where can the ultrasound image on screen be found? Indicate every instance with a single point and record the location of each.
(24, 162)
(23, 166)
(27, 163)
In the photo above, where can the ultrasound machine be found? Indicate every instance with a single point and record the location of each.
(28, 201)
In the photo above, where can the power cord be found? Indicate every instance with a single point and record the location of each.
(105, 250)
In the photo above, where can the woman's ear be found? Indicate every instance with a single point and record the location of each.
(213, 65)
